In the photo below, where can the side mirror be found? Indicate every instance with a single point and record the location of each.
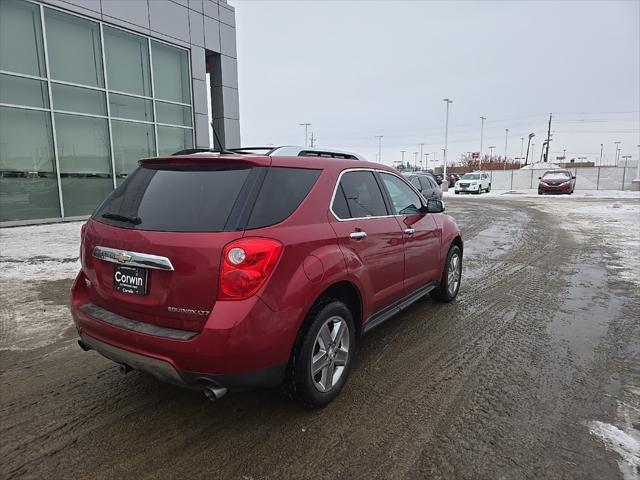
(438, 180)
(573, 178)
(435, 206)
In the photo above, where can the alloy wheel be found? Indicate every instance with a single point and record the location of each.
(453, 274)
(330, 353)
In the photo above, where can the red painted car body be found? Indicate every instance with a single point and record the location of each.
(181, 332)
(556, 181)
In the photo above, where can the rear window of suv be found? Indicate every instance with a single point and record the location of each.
(176, 198)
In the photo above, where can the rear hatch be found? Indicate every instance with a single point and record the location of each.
(152, 249)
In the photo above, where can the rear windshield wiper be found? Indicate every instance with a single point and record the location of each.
(122, 218)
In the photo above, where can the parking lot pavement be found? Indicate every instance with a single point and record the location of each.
(534, 372)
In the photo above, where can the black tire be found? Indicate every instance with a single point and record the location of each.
(489, 188)
(299, 383)
(456, 192)
(442, 292)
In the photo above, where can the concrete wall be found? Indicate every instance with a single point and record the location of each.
(206, 27)
(587, 178)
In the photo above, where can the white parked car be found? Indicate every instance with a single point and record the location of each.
(475, 182)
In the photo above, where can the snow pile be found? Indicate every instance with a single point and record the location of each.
(540, 166)
(32, 259)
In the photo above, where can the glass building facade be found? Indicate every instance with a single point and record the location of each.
(81, 101)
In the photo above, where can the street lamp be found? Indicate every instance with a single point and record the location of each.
(482, 119)
(491, 153)
(617, 157)
(306, 133)
(506, 137)
(446, 139)
(521, 147)
(526, 159)
(379, 137)
(402, 152)
(415, 160)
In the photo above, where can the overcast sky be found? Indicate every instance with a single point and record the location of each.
(359, 69)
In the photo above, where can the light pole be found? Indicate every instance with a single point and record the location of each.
(506, 139)
(402, 152)
(526, 159)
(482, 119)
(421, 146)
(426, 161)
(446, 140)
(379, 137)
(601, 149)
(521, 147)
(635, 183)
(306, 133)
(617, 151)
(491, 153)
(415, 160)
(533, 155)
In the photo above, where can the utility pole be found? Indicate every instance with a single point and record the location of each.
(521, 147)
(482, 119)
(306, 133)
(506, 137)
(421, 145)
(446, 138)
(379, 137)
(415, 160)
(402, 152)
(313, 140)
(601, 149)
(546, 153)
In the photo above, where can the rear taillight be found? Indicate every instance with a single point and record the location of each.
(245, 266)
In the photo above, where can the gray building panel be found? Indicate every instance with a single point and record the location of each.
(196, 28)
(211, 9)
(227, 15)
(227, 40)
(170, 19)
(199, 96)
(212, 34)
(229, 71)
(135, 13)
(196, 5)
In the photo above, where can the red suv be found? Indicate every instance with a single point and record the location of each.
(237, 270)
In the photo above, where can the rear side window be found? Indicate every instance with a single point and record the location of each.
(175, 199)
(362, 196)
(416, 182)
(282, 192)
(426, 183)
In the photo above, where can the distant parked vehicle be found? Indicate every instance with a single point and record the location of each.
(557, 181)
(475, 182)
(426, 183)
(453, 178)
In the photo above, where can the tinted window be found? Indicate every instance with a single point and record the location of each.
(282, 192)
(340, 207)
(176, 199)
(363, 195)
(416, 182)
(404, 200)
(427, 183)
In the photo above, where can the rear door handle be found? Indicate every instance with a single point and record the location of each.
(409, 231)
(358, 235)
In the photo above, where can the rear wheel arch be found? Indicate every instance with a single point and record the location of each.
(347, 293)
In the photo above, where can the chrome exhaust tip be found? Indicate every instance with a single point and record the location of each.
(214, 393)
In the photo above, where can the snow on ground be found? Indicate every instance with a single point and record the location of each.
(623, 438)
(527, 193)
(30, 258)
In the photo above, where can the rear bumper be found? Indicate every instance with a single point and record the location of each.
(243, 344)
(163, 370)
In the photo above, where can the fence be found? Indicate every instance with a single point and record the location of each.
(587, 178)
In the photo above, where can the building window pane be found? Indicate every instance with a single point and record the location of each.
(28, 187)
(170, 73)
(131, 142)
(127, 59)
(78, 99)
(21, 48)
(85, 163)
(23, 91)
(124, 106)
(173, 114)
(74, 49)
(173, 139)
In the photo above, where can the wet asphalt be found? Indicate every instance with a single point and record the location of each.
(543, 339)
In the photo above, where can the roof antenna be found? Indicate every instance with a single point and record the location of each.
(220, 144)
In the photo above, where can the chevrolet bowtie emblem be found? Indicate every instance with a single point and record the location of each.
(122, 257)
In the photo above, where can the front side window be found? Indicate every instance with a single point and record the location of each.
(362, 196)
(416, 182)
(405, 201)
